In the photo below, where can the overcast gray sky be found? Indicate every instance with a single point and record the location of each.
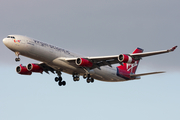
(92, 28)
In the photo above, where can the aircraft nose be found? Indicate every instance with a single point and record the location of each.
(8, 42)
(5, 41)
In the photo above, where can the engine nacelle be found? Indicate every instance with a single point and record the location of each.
(83, 62)
(125, 58)
(34, 68)
(23, 70)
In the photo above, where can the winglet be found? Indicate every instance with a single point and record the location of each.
(173, 48)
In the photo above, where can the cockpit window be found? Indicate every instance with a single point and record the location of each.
(11, 37)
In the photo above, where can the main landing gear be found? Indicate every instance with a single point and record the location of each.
(17, 59)
(89, 79)
(85, 76)
(59, 79)
(76, 77)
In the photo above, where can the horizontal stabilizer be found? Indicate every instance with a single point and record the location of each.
(136, 75)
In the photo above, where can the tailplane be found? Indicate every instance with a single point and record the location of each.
(142, 74)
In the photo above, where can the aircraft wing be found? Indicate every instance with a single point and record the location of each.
(146, 54)
(109, 60)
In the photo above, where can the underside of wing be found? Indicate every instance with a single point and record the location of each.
(46, 68)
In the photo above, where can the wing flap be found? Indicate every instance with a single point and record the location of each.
(46, 68)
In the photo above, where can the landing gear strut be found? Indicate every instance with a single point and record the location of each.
(59, 79)
(17, 54)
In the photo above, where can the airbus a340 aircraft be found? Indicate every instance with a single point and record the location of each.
(55, 59)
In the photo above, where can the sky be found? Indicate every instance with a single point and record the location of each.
(92, 28)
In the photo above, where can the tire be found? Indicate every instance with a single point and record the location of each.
(56, 79)
(92, 80)
(74, 78)
(17, 59)
(88, 80)
(60, 83)
(84, 76)
(63, 83)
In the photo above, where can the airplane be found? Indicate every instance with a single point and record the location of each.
(57, 60)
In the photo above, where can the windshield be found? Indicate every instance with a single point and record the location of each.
(11, 37)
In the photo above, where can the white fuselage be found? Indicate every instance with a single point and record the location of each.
(53, 56)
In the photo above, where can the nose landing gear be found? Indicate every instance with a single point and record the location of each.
(17, 59)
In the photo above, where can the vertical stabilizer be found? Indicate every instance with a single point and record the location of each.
(132, 67)
(128, 68)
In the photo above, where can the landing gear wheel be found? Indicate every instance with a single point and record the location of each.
(63, 83)
(84, 76)
(92, 80)
(88, 80)
(56, 79)
(60, 83)
(17, 59)
(76, 78)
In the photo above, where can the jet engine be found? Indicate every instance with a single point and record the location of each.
(23, 70)
(125, 58)
(83, 62)
(34, 68)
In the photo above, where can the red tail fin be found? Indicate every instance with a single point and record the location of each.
(127, 69)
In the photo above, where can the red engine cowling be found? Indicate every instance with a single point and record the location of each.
(83, 62)
(125, 59)
(34, 68)
(23, 70)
